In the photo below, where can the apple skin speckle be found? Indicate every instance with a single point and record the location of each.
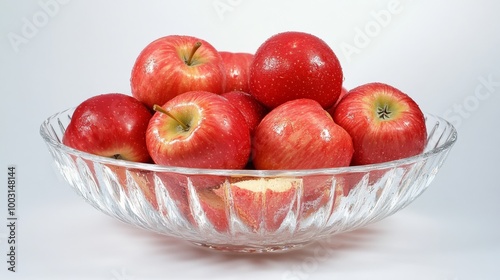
(219, 137)
(293, 65)
(399, 133)
(300, 134)
(111, 125)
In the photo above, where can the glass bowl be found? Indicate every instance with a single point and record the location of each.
(247, 210)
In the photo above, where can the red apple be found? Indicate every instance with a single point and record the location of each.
(199, 129)
(319, 191)
(343, 92)
(300, 134)
(261, 203)
(175, 64)
(293, 65)
(111, 125)
(173, 197)
(252, 110)
(237, 65)
(142, 180)
(215, 209)
(385, 124)
(177, 199)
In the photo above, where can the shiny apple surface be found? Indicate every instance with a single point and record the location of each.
(248, 210)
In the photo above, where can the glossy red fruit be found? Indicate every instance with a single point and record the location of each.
(201, 130)
(300, 134)
(237, 66)
(293, 65)
(175, 64)
(111, 125)
(384, 123)
(250, 108)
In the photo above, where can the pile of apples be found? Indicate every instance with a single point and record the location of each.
(283, 107)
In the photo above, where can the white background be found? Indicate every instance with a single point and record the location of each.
(53, 55)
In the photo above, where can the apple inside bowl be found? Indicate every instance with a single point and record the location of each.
(248, 210)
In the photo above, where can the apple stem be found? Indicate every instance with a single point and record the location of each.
(196, 46)
(158, 108)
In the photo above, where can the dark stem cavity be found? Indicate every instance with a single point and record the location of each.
(189, 60)
(384, 112)
(157, 108)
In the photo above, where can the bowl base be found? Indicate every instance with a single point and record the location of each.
(227, 248)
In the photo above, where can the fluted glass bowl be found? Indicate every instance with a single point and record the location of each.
(247, 210)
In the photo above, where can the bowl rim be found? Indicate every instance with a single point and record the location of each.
(153, 167)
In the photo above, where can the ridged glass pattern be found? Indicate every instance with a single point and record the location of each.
(247, 210)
